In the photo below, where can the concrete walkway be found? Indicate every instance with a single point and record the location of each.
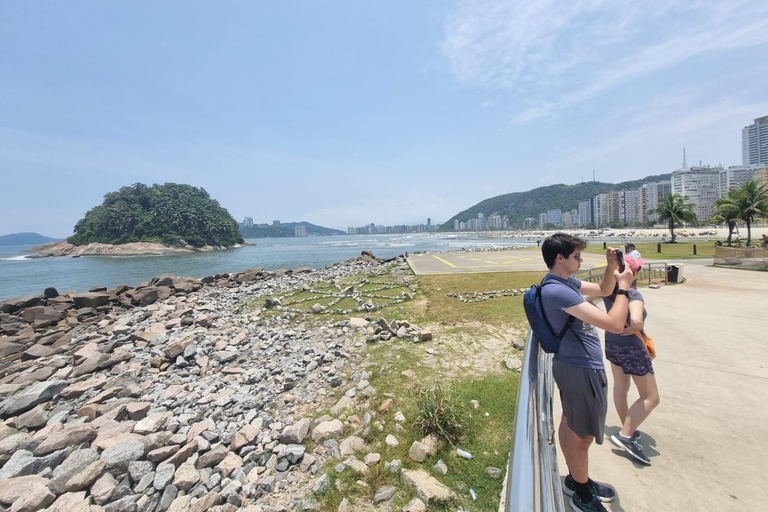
(708, 440)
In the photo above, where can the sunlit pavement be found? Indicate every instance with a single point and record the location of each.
(488, 261)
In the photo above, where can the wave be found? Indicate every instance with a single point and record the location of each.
(18, 258)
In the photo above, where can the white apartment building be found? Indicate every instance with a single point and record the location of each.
(600, 209)
(300, 231)
(455, 224)
(567, 219)
(585, 213)
(754, 142)
(700, 186)
(555, 217)
(529, 222)
(651, 195)
(542, 220)
(735, 176)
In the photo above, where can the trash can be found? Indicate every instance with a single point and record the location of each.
(675, 273)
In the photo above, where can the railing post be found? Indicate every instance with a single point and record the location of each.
(694, 249)
(658, 247)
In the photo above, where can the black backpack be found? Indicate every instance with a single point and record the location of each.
(537, 318)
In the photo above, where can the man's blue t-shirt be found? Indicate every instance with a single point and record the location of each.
(555, 299)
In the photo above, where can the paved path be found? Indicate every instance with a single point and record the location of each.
(708, 439)
(488, 261)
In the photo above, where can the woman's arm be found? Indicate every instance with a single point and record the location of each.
(636, 320)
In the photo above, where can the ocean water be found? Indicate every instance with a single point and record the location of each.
(21, 275)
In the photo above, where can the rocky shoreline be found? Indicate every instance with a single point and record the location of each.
(173, 396)
(61, 249)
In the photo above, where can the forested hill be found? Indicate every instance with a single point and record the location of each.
(286, 229)
(25, 239)
(166, 214)
(517, 206)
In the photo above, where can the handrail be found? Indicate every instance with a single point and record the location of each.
(533, 480)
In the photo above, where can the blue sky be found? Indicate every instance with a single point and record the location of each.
(347, 113)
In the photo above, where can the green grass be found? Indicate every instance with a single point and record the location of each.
(649, 250)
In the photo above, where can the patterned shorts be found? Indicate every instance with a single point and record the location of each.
(632, 359)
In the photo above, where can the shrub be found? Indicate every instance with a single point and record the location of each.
(438, 412)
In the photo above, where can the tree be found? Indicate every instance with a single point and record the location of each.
(675, 209)
(727, 213)
(752, 203)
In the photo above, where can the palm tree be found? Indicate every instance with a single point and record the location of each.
(727, 213)
(752, 202)
(675, 209)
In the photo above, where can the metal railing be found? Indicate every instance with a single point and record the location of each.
(533, 480)
(650, 272)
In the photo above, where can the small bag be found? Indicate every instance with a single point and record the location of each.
(650, 346)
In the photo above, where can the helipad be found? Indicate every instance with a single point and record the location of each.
(488, 261)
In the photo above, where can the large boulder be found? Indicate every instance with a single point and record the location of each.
(30, 397)
(91, 299)
(428, 488)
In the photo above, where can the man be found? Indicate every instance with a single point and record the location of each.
(630, 250)
(578, 365)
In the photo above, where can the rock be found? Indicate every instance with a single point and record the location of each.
(441, 467)
(164, 476)
(85, 477)
(372, 459)
(152, 423)
(119, 455)
(31, 396)
(137, 410)
(326, 429)
(33, 419)
(344, 403)
(91, 299)
(399, 417)
(71, 502)
(23, 463)
(205, 503)
(69, 436)
(231, 462)
(79, 388)
(391, 440)
(321, 485)
(296, 433)
(415, 505)
(186, 477)
(26, 493)
(212, 457)
(245, 436)
(427, 488)
(384, 494)
(418, 451)
(393, 466)
(180, 504)
(73, 464)
(103, 488)
(513, 363)
(432, 442)
(494, 473)
(350, 445)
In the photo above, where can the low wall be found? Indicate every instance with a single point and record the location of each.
(751, 258)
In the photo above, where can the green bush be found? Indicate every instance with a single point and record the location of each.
(439, 412)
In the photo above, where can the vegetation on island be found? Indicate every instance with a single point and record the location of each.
(285, 229)
(518, 206)
(168, 214)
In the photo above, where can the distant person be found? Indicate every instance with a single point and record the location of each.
(578, 365)
(764, 242)
(630, 250)
(630, 362)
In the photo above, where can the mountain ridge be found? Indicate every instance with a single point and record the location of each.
(517, 206)
(26, 238)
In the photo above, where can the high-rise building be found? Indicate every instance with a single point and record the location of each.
(650, 195)
(600, 210)
(300, 231)
(529, 222)
(585, 213)
(455, 224)
(542, 220)
(754, 142)
(735, 176)
(701, 186)
(555, 217)
(248, 222)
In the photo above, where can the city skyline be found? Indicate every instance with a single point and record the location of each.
(341, 113)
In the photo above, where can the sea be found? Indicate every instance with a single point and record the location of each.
(21, 275)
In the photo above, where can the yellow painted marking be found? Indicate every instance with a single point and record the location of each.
(475, 259)
(438, 258)
(494, 262)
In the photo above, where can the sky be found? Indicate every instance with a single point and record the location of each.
(343, 113)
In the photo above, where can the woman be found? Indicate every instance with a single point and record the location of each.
(630, 362)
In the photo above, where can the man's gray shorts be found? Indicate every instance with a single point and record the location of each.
(584, 395)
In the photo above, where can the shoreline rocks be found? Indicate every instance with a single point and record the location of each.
(172, 396)
(59, 249)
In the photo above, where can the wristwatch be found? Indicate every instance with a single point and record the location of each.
(623, 292)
